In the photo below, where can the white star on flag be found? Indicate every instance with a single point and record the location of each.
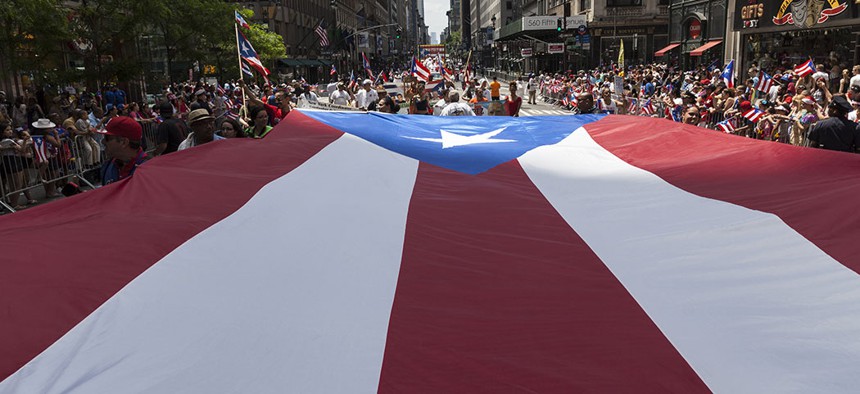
(450, 140)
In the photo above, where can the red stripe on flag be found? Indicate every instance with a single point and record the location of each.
(490, 298)
(115, 233)
(806, 188)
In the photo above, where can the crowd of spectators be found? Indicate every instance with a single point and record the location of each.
(778, 104)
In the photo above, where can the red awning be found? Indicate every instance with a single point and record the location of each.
(700, 50)
(666, 49)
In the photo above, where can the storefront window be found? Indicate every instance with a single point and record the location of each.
(786, 49)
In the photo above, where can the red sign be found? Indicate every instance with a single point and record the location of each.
(695, 28)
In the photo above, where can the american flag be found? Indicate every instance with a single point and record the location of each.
(805, 69)
(320, 30)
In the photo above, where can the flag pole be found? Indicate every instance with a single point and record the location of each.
(241, 74)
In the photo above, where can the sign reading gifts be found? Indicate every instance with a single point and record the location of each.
(790, 14)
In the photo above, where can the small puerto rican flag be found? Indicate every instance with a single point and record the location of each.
(805, 69)
(333, 71)
(726, 126)
(753, 115)
(241, 21)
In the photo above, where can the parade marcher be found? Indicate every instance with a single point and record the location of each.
(455, 107)
(495, 88)
(514, 102)
(230, 128)
(532, 88)
(259, 123)
(171, 132)
(585, 104)
(202, 125)
(122, 148)
(386, 104)
(340, 96)
(836, 132)
(366, 96)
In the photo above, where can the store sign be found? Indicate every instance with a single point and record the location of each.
(526, 52)
(555, 48)
(550, 22)
(695, 29)
(790, 14)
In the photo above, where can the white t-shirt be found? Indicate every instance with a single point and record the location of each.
(364, 97)
(855, 80)
(189, 142)
(339, 97)
(439, 106)
(457, 109)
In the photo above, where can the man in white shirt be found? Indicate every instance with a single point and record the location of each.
(855, 80)
(440, 105)
(455, 107)
(366, 96)
(340, 96)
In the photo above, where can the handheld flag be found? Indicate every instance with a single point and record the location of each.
(765, 82)
(728, 75)
(248, 54)
(420, 71)
(726, 126)
(366, 64)
(241, 21)
(807, 68)
(322, 33)
(333, 71)
(352, 81)
(753, 115)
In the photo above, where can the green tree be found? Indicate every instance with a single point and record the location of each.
(32, 35)
(269, 45)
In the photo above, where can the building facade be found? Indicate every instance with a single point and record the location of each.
(697, 31)
(784, 33)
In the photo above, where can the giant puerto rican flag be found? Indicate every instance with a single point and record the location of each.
(405, 254)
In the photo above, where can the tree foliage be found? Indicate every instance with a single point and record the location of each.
(112, 37)
(269, 45)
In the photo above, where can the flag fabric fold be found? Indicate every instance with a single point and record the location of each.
(241, 21)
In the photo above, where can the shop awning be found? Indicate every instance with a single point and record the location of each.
(700, 50)
(666, 49)
(289, 62)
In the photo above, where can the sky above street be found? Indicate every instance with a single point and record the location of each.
(434, 15)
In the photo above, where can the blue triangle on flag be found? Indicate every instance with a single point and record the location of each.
(469, 144)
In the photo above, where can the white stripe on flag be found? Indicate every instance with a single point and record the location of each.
(292, 293)
(747, 301)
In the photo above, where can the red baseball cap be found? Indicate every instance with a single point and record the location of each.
(123, 126)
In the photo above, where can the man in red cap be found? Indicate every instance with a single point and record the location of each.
(122, 148)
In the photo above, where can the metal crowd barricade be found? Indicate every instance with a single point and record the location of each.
(72, 160)
(150, 136)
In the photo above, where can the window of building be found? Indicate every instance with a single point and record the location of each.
(623, 3)
(584, 5)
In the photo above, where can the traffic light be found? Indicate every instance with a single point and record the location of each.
(558, 24)
(398, 33)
